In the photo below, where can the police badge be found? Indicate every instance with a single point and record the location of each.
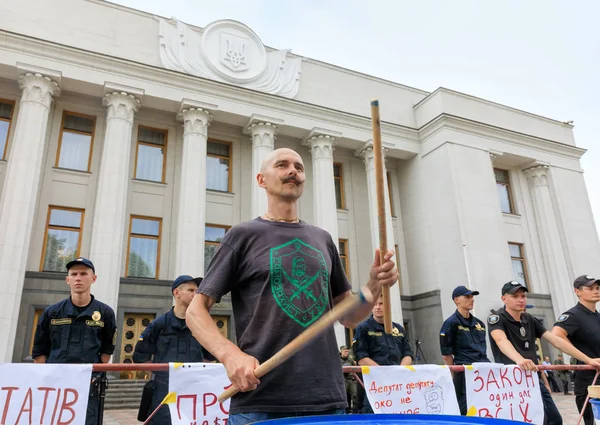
(523, 332)
(96, 316)
(395, 331)
(493, 319)
(563, 317)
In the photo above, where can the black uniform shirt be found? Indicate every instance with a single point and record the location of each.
(583, 330)
(522, 335)
(464, 339)
(384, 349)
(69, 334)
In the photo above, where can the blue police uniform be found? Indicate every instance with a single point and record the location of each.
(370, 340)
(166, 339)
(69, 334)
(463, 338)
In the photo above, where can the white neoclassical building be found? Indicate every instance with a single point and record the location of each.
(134, 140)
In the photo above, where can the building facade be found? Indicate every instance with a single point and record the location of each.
(134, 140)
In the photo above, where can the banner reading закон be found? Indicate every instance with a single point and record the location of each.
(421, 389)
(44, 393)
(503, 391)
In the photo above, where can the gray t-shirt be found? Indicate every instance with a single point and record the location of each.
(282, 278)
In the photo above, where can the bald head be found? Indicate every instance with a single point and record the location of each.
(277, 153)
(282, 175)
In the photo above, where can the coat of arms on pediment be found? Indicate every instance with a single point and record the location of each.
(228, 51)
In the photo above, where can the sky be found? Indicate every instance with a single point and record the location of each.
(541, 56)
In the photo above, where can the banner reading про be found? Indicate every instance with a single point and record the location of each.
(503, 391)
(49, 394)
(193, 392)
(422, 389)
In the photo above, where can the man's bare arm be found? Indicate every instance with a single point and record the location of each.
(509, 351)
(240, 366)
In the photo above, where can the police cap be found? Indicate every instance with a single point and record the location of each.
(512, 287)
(81, 260)
(185, 278)
(463, 290)
(585, 280)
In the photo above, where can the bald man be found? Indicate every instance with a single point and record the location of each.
(283, 275)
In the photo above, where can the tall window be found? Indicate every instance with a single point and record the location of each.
(76, 141)
(343, 250)
(6, 112)
(144, 247)
(151, 152)
(504, 191)
(218, 166)
(517, 257)
(340, 202)
(63, 238)
(213, 234)
(389, 182)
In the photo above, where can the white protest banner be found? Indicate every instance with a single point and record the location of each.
(422, 389)
(193, 392)
(49, 394)
(503, 391)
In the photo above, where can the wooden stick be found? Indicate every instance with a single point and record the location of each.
(327, 320)
(380, 187)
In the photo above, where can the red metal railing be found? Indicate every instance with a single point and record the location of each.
(156, 367)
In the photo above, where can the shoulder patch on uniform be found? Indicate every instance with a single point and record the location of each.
(493, 319)
(563, 317)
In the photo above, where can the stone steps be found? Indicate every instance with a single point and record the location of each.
(124, 394)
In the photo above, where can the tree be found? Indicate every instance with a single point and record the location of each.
(138, 267)
(57, 253)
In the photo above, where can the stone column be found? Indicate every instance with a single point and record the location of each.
(19, 196)
(191, 208)
(262, 131)
(553, 255)
(110, 221)
(325, 210)
(368, 157)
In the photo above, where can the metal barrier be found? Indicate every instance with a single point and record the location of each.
(155, 367)
(354, 370)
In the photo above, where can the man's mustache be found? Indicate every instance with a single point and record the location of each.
(292, 179)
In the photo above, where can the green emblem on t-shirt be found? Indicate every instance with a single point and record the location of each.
(299, 281)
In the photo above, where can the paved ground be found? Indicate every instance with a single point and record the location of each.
(121, 417)
(565, 403)
(568, 409)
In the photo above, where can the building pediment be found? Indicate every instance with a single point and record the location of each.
(230, 52)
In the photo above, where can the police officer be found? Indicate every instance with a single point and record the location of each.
(512, 336)
(347, 359)
(168, 339)
(462, 340)
(580, 326)
(563, 375)
(79, 329)
(373, 347)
